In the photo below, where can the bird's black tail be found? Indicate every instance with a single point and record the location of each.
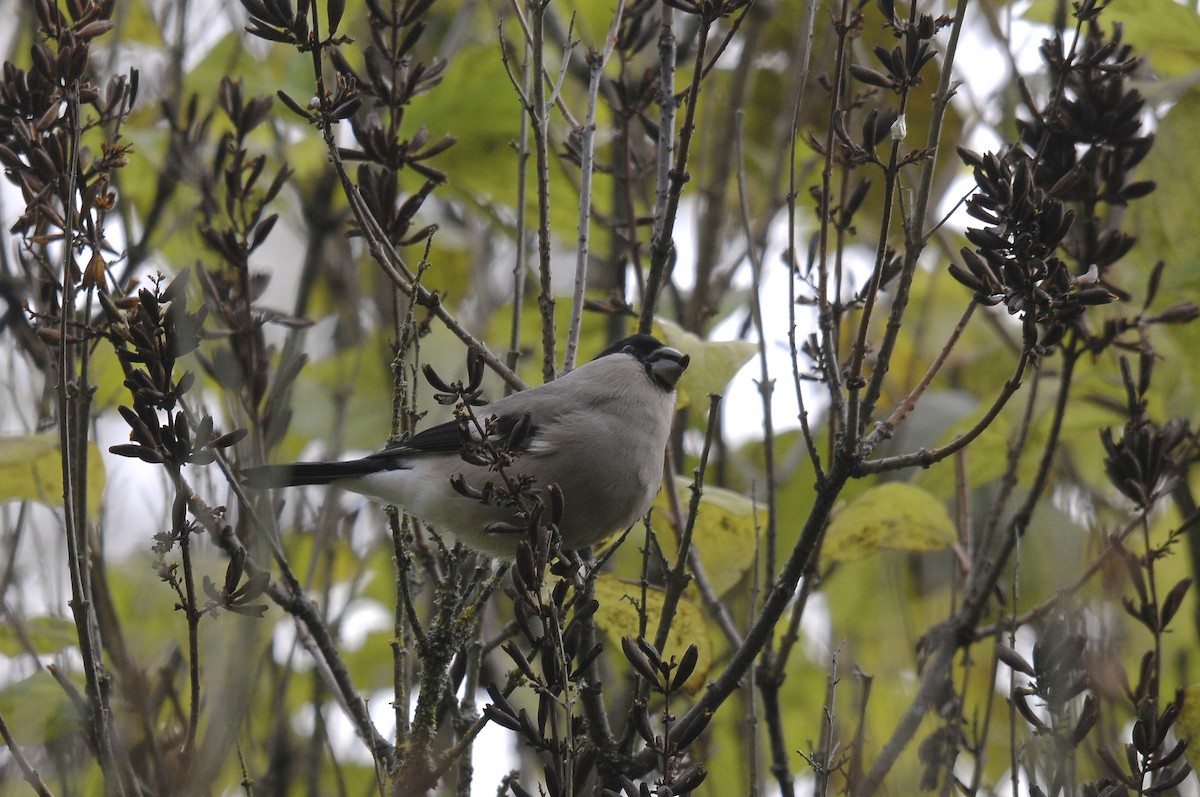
(299, 473)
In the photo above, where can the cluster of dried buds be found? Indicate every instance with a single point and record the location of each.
(1014, 261)
(666, 677)
(149, 332)
(1146, 460)
(41, 116)
(553, 657)
(709, 10)
(1088, 135)
(277, 21)
(902, 64)
(1142, 464)
(245, 225)
(1145, 760)
(494, 443)
(1079, 148)
(1058, 676)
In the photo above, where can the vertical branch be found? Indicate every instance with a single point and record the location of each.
(521, 255)
(766, 385)
(712, 226)
(667, 109)
(73, 401)
(793, 265)
(179, 528)
(596, 62)
(914, 225)
(858, 352)
(540, 119)
(404, 413)
(825, 305)
(677, 580)
(670, 185)
(768, 687)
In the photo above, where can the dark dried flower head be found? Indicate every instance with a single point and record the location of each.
(1148, 458)
(1014, 260)
(1142, 464)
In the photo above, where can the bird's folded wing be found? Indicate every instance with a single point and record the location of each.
(447, 437)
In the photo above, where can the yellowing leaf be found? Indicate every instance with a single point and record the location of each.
(713, 363)
(31, 470)
(618, 617)
(724, 534)
(1187, 725)
(892, 515)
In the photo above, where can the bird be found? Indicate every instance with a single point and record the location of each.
(598, 432)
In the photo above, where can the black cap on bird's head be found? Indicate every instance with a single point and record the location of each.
(663, 364)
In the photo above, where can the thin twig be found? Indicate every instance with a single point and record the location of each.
(906, 405)
(826, 323)
(855, 415)
(73, 401)
(720, 163)
(928, 456)
(521, 233)
(677, 580)
(793, 266)
(667, 110)
(190, 611)
(556, 98)
(766, 385)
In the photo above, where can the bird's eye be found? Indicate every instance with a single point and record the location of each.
(627, 350)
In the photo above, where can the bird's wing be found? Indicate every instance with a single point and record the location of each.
(446, 438)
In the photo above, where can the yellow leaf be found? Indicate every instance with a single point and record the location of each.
(618, 617)
(724, 534)
(31, 470)
(713, 363)
(892, 515)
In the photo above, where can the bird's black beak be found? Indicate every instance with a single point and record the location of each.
(666, 366)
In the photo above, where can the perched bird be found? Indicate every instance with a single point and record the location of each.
(598, 432)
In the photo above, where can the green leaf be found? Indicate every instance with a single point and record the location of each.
(477, 104)
(135, 24)
(725, 534)
(892, 515)
(713, 363)
(618, 617)
(38, 711)
(31, 470)
(45, 635)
